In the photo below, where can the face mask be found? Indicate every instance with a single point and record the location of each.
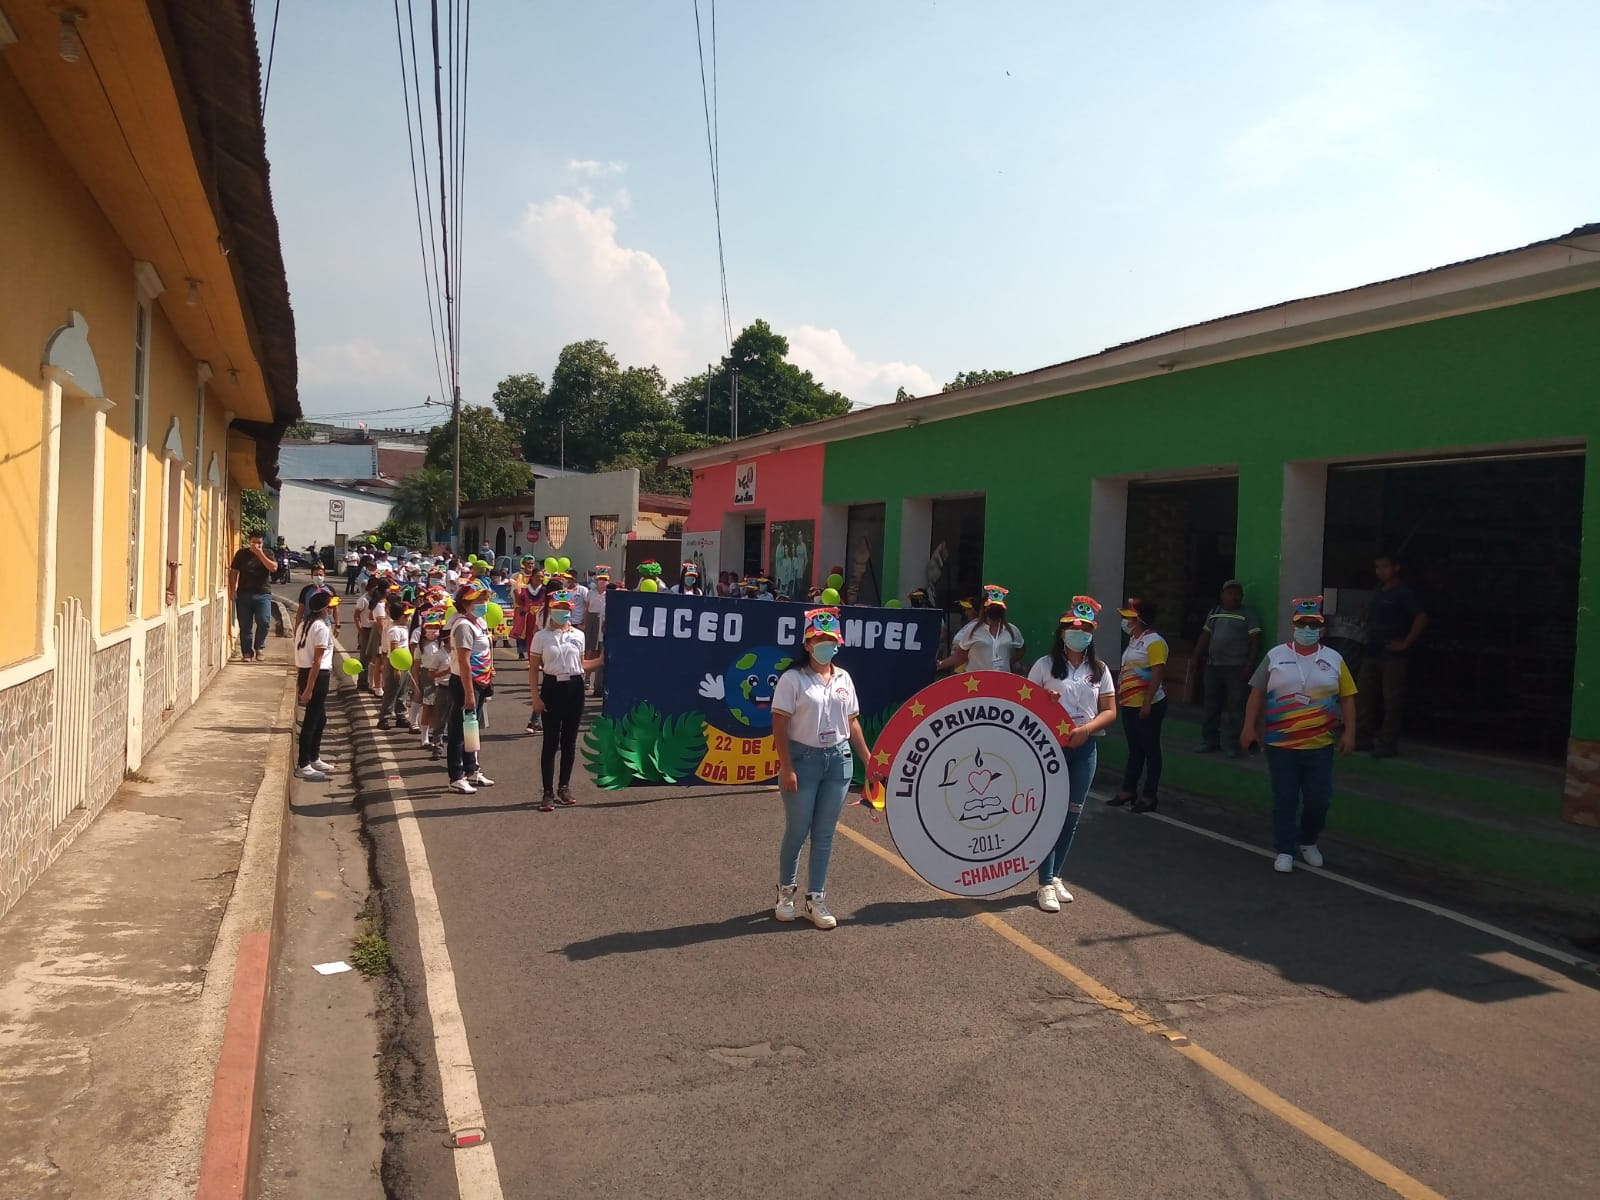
(1307, 635)
(994, 613)
(1127, 625)
(823, 652)
(480, 610)
(1077, 639)
(560, 617)
(317, 579)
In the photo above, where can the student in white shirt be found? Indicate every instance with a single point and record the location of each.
(556, 663)
(1087, 691)
(313, 660)
(990, 643)
(471, 683)
(688, 581)
(1142, 701)
(396, 636)
(430, 672)
(816, 719)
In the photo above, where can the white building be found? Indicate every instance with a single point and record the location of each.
(303, 511)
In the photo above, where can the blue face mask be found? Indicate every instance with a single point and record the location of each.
(823, 652)
(1077, 639)
(1307, 635)
(560, 616)
(1127, 625)
(480, 610)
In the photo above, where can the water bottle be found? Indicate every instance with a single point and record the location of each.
(469, 733)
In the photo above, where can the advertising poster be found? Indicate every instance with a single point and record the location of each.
(705, 551)
(793, 551)
(690, 679)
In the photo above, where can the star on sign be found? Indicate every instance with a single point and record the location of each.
(1064, 728)
(1024, 692)
(972, 684)
(881, 758)
(918, 708)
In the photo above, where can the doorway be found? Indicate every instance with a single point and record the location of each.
(755, 540)
(863, 567)
(955, 551)
(1179, 550)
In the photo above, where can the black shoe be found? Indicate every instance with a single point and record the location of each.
(383, 722)
(1206, 748)
(1146, 804)
(1120, 799)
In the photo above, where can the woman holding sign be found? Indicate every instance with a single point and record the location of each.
(1083, 684)
(816, 719)
(991, 643)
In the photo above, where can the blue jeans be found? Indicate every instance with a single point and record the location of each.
(1144, 748)
(1080, 774)
(253, 610)
(823, 776)
(1297, 775)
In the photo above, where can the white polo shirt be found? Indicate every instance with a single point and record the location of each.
(560, 652)
(1079, 692)
(317, 653)
(819, 710)
(580, 603)
(988, 651)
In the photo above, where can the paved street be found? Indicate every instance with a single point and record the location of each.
(640, 1025)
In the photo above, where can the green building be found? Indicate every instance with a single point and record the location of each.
(1444, 416)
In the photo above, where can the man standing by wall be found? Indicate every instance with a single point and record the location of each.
(1228, 649)
(1395, 620)
(248, 575)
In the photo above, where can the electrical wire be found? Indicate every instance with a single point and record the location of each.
(714, 155)
(416, 200)
(427, 186)
(272, 50)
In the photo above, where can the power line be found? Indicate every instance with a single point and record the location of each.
(272, 50)
(416, 198)
(713, 153)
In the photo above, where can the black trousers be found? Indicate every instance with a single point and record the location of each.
(315, 718)
(563, 711)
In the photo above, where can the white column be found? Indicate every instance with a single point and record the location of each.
(832, 530)
(49, 497)
(1108, 536)
(916, 536)
(1305, 497)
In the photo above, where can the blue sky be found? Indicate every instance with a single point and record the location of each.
(911, 188)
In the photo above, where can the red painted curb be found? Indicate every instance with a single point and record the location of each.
(227, 1166)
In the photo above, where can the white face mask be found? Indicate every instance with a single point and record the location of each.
(1127, 625)
(1307, 635)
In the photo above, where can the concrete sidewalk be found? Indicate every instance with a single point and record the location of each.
(117, 967)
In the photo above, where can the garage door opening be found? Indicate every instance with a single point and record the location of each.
(1179, 551)
(1492, 548)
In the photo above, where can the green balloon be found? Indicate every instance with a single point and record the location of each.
(830, 596)
(372, 539)
(387, 546)
(892, 602)
(836, 580)
(551, 565)
(564, 564)
(352, 666)
(496, 616)
(400, 658)
(648, 585)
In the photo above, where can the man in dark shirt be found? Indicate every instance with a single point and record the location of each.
(248, 575)
(1395, 620)
(1228, 650)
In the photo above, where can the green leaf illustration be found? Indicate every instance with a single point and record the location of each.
(641, 731)
(681, 748)
(602, 754)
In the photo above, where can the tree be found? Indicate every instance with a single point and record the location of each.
(521, 400)
(654, 474)
(300, 431)
(901, 395)
(966, 379)
(403, 533)
(773, 392)
(424, 500)
(489, 465)
(253, 512)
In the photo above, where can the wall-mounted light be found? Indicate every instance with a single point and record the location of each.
(71, 42)
(193, 296)
(1168, 365)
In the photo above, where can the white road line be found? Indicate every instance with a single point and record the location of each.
(1449, 914)
(477, 1176)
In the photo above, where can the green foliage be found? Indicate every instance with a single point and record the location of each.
(300, 431)
(520, 400)
(644, 747)
(489, 466)
(773, 392)
(252, 512)
(423, 500)
(966, 379)
(399, 533)
(369, 954)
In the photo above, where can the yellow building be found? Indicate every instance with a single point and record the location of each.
(147, 370)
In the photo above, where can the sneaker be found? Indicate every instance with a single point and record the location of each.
(463, 786)
(435, 751)
(816, 911)
(479, 779)
(383, 723)
(533, 725)
(414, 727)
(1206, 748)
(564, 795)
(310, 774)
(1312, 855)
(783, 909)
(1047, 899)
(1061, 890)
(548, 804)
(1283, 864)
(324, 765)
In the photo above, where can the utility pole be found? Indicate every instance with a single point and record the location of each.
(563, 446)
(734, 423)
(708, 399)
(455, 511)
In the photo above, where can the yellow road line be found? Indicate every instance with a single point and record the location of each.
(1373, 1165)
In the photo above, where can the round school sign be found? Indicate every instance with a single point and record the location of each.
(975, 782)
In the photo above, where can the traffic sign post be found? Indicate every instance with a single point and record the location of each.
(336, 515)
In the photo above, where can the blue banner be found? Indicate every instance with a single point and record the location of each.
(689, 682)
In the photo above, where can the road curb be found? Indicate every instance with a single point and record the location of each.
(233, 1117)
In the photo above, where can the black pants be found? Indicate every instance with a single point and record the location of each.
(1144, 748)
(315, 718)
(350, 575)
(1226, 693)
(563, 710)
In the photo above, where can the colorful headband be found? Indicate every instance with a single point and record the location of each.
(822, 622)
(650, 569)
(561, 600)
(993, 593)
(1085, 610)
(1307, 608)
(602, 572)
(1132, 608)
(433, 616)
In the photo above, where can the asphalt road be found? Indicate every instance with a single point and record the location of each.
(640, 1026)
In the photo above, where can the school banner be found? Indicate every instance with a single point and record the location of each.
(689, 683)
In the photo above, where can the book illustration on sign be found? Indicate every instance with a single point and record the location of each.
(982, 801)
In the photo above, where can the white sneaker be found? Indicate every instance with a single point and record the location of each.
(1047, 899)
(1283, 864)
(1312, 855)
(816, 911)
(311, 775)
(784, 910)
(324, 765)
(480, 780)
(1061, 890)
(462, 786)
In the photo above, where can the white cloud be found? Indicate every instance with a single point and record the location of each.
(604, 289)
(589, 168)
(358, 364)
(825, 354)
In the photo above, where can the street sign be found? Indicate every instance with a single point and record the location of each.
(335, 510)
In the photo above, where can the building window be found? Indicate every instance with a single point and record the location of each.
(138, 438)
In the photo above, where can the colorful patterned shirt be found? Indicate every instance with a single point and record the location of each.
(1302, 696)
(1147, 650)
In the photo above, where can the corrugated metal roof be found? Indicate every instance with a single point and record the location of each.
(328, 460)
